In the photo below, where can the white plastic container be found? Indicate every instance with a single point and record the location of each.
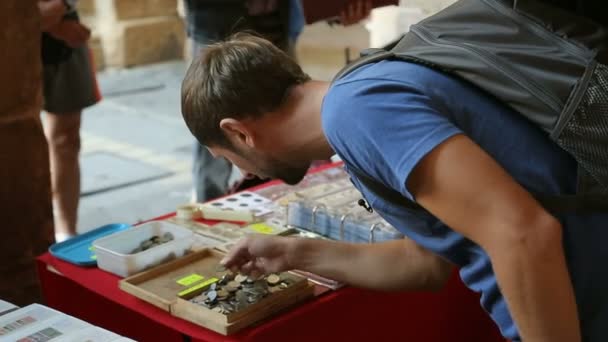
(113, 251)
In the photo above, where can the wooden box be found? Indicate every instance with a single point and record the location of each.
(172, 285)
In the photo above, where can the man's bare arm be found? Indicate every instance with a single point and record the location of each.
(465, 188)
(393, 265)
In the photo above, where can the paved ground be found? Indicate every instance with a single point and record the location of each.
(136, 148)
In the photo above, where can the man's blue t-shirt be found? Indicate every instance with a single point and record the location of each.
(383, 118)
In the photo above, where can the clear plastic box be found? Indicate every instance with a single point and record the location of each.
(114, 251)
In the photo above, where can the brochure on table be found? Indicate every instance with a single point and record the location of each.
(39, 323)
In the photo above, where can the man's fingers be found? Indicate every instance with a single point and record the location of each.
(237, 254)
(247, 267)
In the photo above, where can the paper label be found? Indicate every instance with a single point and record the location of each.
(191, 279)
(199, 286)
(262, 228)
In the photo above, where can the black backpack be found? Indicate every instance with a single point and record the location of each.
(547, 64)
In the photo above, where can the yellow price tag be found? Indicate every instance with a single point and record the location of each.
(199, 286)
(191, 279)
(262, 228)
(94, 257)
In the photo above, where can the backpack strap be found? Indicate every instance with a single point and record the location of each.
(555, 204)
(579, 204)
(386, 193)
(560, 204)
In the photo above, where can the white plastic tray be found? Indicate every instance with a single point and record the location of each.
(113, 251)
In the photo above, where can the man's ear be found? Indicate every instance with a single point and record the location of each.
(237, 131)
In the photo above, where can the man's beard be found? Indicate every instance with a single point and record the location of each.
(291, 176)
(273, 168)
(288, 174)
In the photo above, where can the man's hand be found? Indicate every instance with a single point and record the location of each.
(355, 12)
(72, 32)
(51, 13)
(259, 254)
(391, 265)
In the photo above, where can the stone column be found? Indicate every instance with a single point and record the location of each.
(26, 220)
(133, 32)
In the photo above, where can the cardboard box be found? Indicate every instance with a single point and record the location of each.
(171, 286)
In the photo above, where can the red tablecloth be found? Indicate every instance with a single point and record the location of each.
(348, 314)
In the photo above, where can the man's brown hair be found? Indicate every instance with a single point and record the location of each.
(242, 77)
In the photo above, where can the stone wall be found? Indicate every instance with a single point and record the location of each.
(26, 220)
(322, 49)
(133, 32)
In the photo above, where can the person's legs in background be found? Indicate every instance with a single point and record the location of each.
(207, 23)
(69, 87)
(296, 25)
(62, 131)
(211, 22)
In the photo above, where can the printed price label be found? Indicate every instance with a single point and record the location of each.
(191, 279)
(199, 286)
(262, 228)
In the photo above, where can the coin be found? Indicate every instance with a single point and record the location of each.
(213, 287)
(218, 309)
(212, 296)
(232, 286)
(241, 298)
(240, 278)
(273, 279)
(228, 307)
(226, 278)
(260, 288)
(222, 294)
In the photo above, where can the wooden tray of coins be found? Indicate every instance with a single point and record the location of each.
(196, 289)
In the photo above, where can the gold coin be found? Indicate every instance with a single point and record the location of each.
(273, 279)
(231, 287)
(222, 293)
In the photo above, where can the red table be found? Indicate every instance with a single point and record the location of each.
(348, 314)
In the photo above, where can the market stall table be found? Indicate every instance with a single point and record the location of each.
(351, 314)
(452, 314)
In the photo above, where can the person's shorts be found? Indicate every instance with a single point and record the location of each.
(71, 85)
